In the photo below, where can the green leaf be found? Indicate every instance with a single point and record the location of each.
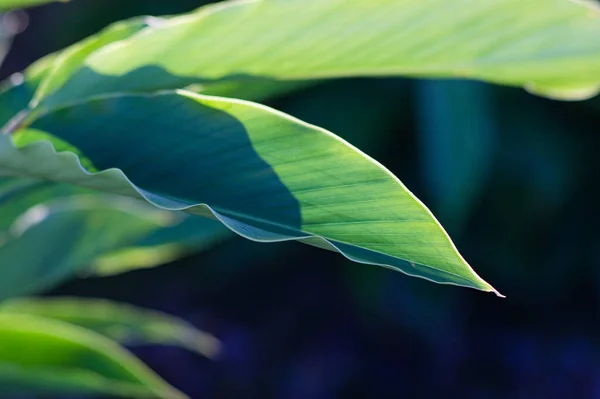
(76, 231)
(11, 4)
(17, 196)
(43, 356)
(502, 41)
(67, 235)
(265, 175)
(72, 58)
(23, 90)
(128, 325)
(189, 235)
(17, 91)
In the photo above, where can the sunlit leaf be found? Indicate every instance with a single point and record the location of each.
(49, 357)
(265, 175)
(20, 198)
(128, 325)
(544, 45)
(71, 59)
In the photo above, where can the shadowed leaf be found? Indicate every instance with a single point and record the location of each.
(265, 175)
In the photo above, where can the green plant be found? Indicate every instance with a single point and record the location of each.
(164, 111)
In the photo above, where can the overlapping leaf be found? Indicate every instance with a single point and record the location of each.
(67, 235)
(128, 325)
(504, 41)
(62, 211)
(71, 231)
(49, 357)
(265, 175)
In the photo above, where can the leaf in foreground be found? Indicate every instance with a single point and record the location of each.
(43, 356)
(265, 175)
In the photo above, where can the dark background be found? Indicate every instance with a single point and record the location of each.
(511, 176)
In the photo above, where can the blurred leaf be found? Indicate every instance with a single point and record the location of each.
(123, 323)
(189, 235)
(503, 41)
(456, 137)
(10, 4)
(371, 125)
(265, 175)
(17, 91)
(74, 231)
(67, 235)
(48, 357)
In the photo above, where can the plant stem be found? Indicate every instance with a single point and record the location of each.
(15, 122)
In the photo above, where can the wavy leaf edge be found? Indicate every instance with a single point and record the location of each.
(161, 202)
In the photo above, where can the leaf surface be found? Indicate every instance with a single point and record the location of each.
(265, 175)
(509, 42)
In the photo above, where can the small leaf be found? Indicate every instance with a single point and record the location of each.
(125, 324)
(265, 175)
(49, 357)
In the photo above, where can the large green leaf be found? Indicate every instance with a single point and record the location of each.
(49, 357)
(149, 246)
(10, 4)
(543, 45)
(265, 175)
(123, 323)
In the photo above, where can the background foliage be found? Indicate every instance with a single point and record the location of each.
(511, 176)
